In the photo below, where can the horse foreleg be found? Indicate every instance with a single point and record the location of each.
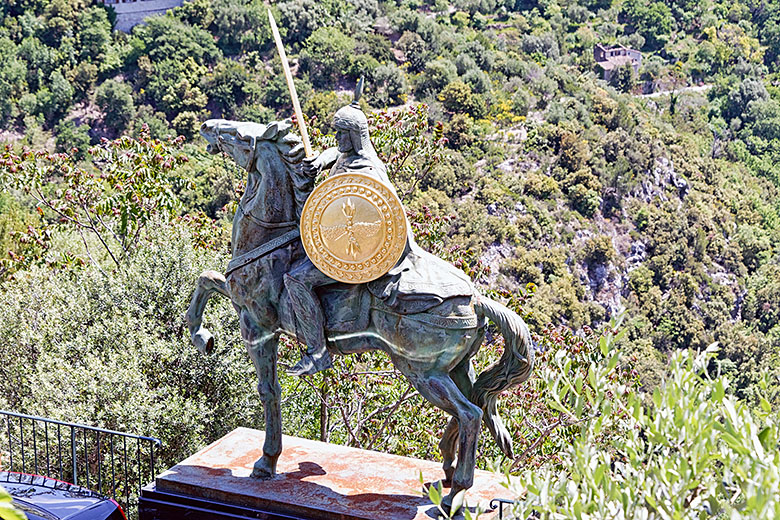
(209, 282)
(262, 348)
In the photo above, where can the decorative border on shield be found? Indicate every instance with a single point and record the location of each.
(393, 224)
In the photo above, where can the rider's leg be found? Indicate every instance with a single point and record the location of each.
(300, 283)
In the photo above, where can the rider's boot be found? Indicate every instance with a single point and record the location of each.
(311, 325)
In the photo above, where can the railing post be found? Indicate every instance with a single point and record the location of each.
(73, 454)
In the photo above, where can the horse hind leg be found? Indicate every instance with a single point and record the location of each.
(262, 348)
(463, 375)
(442, 392)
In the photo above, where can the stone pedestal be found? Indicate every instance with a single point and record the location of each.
(315, 480)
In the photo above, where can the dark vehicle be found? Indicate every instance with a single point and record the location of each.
(57, 470)
(42, 498)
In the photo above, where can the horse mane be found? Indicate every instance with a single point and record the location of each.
(291, 151)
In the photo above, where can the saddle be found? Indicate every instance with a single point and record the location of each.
(422, 286)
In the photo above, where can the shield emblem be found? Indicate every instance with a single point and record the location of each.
(353, 228)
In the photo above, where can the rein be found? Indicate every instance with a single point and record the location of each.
(263, 223)
(262, 250)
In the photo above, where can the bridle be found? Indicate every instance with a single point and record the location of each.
(267, 247)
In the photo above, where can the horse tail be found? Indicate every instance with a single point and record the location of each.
(511, 369)
(209, 282)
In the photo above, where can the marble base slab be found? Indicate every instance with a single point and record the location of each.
(318, 480)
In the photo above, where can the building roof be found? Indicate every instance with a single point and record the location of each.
(615, 62)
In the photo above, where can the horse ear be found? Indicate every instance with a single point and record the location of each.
(270, 132)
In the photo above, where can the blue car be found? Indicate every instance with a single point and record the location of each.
(43, 498)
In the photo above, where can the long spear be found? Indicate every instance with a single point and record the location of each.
(291, 86)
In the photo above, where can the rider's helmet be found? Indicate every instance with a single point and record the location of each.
(352, 119)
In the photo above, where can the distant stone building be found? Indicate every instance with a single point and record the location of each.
(611, 58)
(130, 13)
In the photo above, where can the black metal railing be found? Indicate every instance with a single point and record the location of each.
(113, 464)
(499, 503)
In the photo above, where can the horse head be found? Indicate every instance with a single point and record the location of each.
(272, 154)
(244, 140)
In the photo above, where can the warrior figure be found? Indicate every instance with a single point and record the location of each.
(354, 153)
(417, 282)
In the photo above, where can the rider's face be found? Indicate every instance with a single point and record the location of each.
(343, 140)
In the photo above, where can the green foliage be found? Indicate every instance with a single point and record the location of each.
(117, 337)
(70, 136)
(240, 26)
(112, 200)
(624, 78)
(437, 75)
(229, 86)
(168, 38)
(116, 100)
(407, 144)
(389, 86)
(653, 20)
(679, 190)
(7, 509)
(457, 97)
(686, 454)
(326, 55)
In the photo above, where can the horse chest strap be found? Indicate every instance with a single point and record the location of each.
(258, 252)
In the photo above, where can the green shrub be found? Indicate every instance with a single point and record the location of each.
(684, 454)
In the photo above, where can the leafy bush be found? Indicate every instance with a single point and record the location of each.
(694, 451)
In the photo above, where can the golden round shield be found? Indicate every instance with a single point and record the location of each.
(353, 228)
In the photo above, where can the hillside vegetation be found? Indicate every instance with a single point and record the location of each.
(573, 199)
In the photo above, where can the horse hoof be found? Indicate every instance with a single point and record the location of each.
(261, 474)
(263, 470)
(203, 341)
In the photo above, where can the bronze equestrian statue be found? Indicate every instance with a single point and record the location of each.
(424, 313)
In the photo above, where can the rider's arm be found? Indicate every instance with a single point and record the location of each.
(329, 157)
(312, 166)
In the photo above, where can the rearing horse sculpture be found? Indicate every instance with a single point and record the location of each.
(432, 349)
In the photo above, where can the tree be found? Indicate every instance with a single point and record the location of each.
(300, 18)
(241, 25)
(375, 45)
(61, 96)
(195, 12)
(653, 20)
(543, 45)
(112, 201)
(623, 78)
(414, 49)
(115, 99)
(326, 55)
(389, 86)
(228, 85)
(13, 84)
(174, 86)
(94, 34)
(168, 38)
(457, 97)
(739, 99)
(770, 36)
(70, 137)
(437, 75)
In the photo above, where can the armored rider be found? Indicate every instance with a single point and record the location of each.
(354, 153)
